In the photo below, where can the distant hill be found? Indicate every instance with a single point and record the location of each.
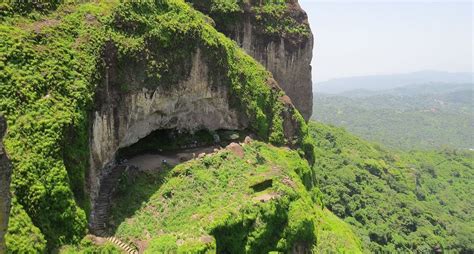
(433, 88)
(386, 82)
(425, 116)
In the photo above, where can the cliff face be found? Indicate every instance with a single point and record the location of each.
(5, 174)
(189, 77)
(125, 115)
(289, 65)
(279, 37)
(288, 59)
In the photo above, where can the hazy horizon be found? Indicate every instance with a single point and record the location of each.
(355, 38)
(393, 74)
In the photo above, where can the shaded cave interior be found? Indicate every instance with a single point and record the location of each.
(172, 141)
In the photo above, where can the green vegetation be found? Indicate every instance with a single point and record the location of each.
(427, 116)
(87, 246)
(275, 19)
(405, 202)
(259, 203)
(46, 84)
(50, 66)
(23, 236)
(356, 195)
(10, 8)
(272, 17)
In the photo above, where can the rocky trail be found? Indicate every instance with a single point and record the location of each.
(99, 220)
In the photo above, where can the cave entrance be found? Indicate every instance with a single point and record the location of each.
(141, 167)
(169, 147)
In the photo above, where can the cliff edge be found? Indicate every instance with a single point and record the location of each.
(276, 34)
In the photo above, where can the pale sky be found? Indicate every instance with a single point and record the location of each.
(354, 38)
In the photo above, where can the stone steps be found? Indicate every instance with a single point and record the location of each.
(127, 248)
(108, 186)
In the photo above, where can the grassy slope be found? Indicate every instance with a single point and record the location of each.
(50, 64)
(417, 201)
(213, 196)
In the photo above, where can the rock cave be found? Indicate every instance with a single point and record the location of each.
(154, 154)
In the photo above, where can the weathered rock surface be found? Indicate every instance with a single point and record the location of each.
(287, 57)
(5, 176)
(289, 64)
(123, 117)
(236, 149)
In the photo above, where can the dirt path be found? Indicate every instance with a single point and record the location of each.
(153, 162)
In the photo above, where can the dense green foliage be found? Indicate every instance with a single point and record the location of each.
(51, 60)
(275, 19)
(87, 246)
(23, 236)
(414, 117)
(220, 197)
(417, 201)
(12, 7)
(50, 66)
(46, 84)
(271, 17)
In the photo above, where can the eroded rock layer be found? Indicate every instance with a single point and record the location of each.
(288, 61)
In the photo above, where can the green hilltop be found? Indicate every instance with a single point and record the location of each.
(321, 191)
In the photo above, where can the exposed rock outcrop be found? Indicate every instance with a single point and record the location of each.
(288, 61)
(187, 80)
(5, 176)
(286, 55)
(123, 117)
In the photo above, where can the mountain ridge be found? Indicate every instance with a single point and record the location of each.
(390, 81)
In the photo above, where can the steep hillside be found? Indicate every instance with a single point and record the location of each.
(64, 69)
(397, 202)
(118, 113)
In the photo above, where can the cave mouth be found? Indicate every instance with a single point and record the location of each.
(173, 141)
(141, 167)
(166, 148)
